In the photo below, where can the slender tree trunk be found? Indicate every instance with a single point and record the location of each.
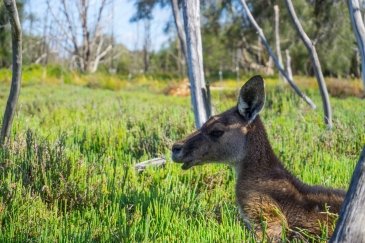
(10, 6)
(275, 59)
(194, 60)
(146, 46)
(288, 64)
(85, 35)
(277, 38)
(359, 30)
(350, 224)
(179, 26)
(181, 35)
(315, 63)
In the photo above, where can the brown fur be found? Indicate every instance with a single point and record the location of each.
(270, 198)
(264, 184)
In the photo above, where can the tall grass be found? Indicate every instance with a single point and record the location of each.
(68, 173)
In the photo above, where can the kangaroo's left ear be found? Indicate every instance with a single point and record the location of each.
(251, 99)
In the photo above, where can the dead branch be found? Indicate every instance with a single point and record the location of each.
(275, 59)
(315, 62)
(156, 162)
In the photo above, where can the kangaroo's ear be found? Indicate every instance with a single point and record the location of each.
(251, 98)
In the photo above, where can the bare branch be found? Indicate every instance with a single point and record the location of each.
(99, 58)
(70, 27)
(315, 62)
(273, 56)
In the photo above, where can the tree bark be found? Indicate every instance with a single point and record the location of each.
(194, 60)
(10, 6)
(359, 31)
(273, 56)
(350, 225)
(315, 62)
(277, 37)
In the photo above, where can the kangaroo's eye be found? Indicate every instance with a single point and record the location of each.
(216, 133)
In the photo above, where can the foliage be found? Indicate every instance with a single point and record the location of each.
(68, 174)
(5, 34)
(230, 40)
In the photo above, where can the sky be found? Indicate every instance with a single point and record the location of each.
(127, 33)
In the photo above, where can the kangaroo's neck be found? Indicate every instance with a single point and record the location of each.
(262, 170)
(260, 158)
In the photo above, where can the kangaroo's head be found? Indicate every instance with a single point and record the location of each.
(223, 138)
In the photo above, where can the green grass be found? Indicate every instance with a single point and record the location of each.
(68, 175)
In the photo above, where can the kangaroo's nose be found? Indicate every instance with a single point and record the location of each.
(176, 148)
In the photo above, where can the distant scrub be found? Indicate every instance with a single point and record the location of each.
(55, 74)
(165, 83)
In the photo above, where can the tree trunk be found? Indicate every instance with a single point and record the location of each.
(315, 62)
(288, 64)
(10, 6)
(275, 59)
(181, 35)
(146, 46)
(350, 224)
(179, 26)
(194, 60)
(277, 38)
(359, 30)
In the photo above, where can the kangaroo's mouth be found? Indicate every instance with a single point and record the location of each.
(188, 164)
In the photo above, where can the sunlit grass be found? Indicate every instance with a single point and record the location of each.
(68, 175)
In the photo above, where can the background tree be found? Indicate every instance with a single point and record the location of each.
(84, 38)
(359, 31)
(271, 53)
(315, 63)
(194, 58)
(16, 37)
(5, 34)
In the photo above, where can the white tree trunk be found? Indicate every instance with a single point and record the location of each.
(315, 62)
(16, 37)
(350, 224)
(179, 26)
(198, 90)
(288, 64)
(273, 56)
(277, 38)
(359, 30)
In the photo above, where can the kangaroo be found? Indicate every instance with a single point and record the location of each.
(271, 200)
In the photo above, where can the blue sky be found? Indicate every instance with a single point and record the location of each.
(127, 33)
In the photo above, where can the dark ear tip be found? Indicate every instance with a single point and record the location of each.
(255, 82)
(257, 79)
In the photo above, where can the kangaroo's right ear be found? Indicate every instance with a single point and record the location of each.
(251, 99)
